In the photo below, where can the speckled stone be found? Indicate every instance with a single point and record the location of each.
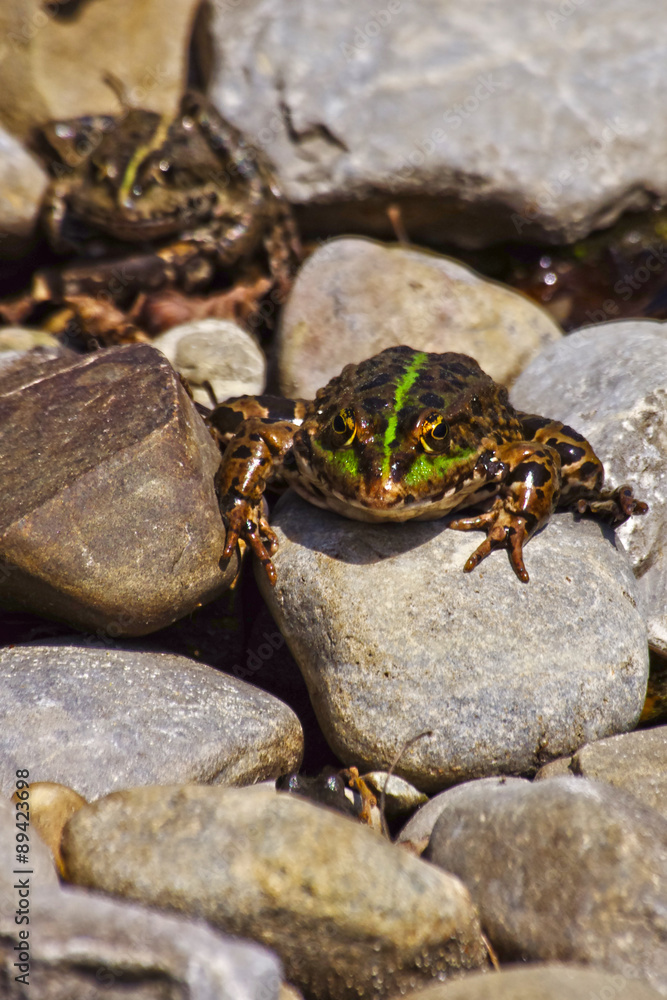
(349, 913)
(417, 831)
(102, 719)
(610, 383)
(393, 639)
(636, 762)
(566, 870)
(354, 297)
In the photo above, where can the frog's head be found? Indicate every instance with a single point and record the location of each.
(148, 176)
(401, 430)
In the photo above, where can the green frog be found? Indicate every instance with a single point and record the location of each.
(404, 435)
(182, 194)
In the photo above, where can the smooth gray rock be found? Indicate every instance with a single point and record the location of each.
(108, 514)
(394, 639)
(22, 185)
(566, 870)
(215, 351)
(483, 120)
(417, 831)
(348, 913)
(610, 383)
(102, 719)
(83, 947)
(551, 981)
(353, 297)
(636, 762)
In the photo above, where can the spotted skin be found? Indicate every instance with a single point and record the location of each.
(409, 435)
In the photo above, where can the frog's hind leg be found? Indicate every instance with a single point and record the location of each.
(525, 502)
(582, 472)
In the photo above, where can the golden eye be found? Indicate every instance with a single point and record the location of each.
(344, 426)
(434, 432)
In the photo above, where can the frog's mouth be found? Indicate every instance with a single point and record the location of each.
(340, 486)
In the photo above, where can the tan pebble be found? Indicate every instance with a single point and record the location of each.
(51, 805)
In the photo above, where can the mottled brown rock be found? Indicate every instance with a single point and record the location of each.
(348, 913)
(636, 762)
(541, 982)
(108, 514)
(566, 870)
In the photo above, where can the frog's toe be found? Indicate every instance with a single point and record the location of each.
(253, 535)
(244, 524)
(503, 530)
(615, 507)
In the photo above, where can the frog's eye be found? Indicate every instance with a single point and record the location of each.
(434, 432)
(344, 426)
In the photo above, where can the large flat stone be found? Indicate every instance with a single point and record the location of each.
(484, 120)
(394, 639)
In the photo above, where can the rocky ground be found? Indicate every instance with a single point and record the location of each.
(151, 696)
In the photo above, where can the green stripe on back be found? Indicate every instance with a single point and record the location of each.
(403, 387)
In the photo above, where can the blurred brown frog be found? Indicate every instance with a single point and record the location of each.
(174, 198)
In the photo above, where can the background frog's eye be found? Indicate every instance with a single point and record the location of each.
(344, 426)
(434, 432)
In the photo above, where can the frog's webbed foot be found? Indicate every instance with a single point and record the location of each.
(246, 522)
(614, 507)
(526, 500)
(503, 530)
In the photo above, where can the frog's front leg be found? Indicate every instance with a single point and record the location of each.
(582, 472)
(253, 456)
(526, 499)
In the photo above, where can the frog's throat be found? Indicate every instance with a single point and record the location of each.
(403, 387)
